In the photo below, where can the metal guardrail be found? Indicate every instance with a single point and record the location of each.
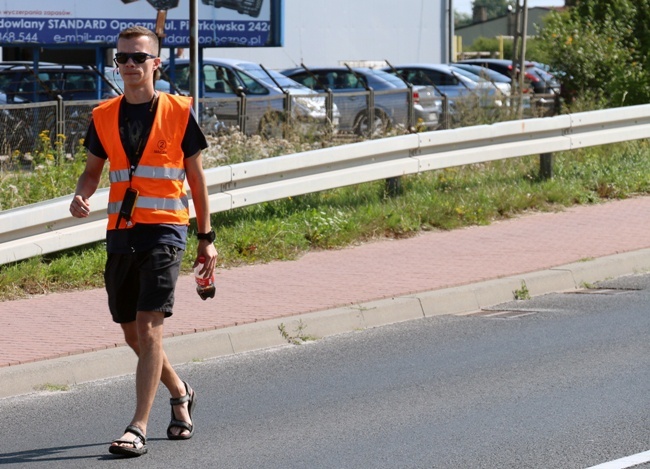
(48, 226)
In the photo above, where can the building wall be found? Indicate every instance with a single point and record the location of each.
(336, 31)
(502, 26)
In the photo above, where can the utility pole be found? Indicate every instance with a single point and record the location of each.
(519, 51)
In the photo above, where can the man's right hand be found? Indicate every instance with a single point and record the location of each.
(80, 207)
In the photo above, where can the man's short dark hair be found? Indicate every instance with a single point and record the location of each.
(137, 31)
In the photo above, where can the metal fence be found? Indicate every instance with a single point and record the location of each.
(367, 114)
(22, 124)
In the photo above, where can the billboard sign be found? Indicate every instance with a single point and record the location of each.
(82, 23)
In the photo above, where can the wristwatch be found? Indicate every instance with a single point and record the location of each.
(211, 236)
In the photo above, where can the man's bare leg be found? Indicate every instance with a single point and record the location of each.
(168, 375)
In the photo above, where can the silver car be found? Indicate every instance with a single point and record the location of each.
(257, 100)
(450, 82)
(502, 82)
(350, 88)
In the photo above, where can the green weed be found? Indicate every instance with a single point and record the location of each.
(48, 387)
(298, 337)
(522, 293)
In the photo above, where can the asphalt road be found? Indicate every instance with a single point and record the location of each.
(559, 381)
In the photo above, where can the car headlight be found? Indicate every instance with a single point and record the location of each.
(310, 105)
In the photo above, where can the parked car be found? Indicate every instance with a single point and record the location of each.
(500, 81)
(71, 82)
(228, 80)
(3, 100)
(449, 82)
(349, 86)
(544, 81)
(485, 88)
(539, 80)
(558, 74)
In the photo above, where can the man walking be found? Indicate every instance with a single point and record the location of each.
(153, 143)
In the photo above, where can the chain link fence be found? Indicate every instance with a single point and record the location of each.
(21, 127)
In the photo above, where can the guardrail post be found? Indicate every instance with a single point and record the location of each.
(393, 186)
(546, 166)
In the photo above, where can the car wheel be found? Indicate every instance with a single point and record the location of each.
(379, 126)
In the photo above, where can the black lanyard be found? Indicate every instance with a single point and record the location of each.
(146, 121)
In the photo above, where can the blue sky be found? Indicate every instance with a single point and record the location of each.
(465, 6)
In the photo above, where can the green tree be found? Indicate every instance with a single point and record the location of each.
(602, 48)
(462, 19)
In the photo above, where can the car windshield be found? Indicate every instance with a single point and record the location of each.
(468, 75)
(258, 72)
(387, 77)
(543, 75)
(485, 72)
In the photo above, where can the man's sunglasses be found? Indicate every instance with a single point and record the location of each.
(138, 57)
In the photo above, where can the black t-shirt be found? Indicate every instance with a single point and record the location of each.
(135, 125)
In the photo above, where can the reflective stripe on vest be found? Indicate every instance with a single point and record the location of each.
(160, 176)
(151, 172)
(153, 203)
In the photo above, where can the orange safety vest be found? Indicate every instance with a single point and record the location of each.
(160, 175)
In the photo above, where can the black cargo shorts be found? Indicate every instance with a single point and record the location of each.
(142, 281)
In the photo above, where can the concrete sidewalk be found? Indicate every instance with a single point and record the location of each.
(68, 338)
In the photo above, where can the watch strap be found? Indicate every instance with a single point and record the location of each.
(210, 236)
